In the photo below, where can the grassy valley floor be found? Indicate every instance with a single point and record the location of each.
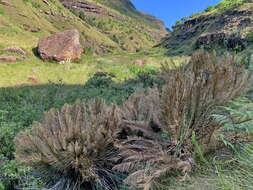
(121, 65)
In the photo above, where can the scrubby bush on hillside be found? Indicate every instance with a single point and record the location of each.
(192, 93)
(225, 5)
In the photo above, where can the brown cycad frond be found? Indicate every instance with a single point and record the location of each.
(185, 107)
(142, 114)
(149, 160)
(193, 92)
(144, 154)
(76, 142)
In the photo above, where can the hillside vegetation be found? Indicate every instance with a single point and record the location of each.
(23, 22)
(226, 26)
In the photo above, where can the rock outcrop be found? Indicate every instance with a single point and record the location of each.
(227, 28)
(60, 46)
(87, 7)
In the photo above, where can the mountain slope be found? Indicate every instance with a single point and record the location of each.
(127, 8)
(23, 22)
(226, 26)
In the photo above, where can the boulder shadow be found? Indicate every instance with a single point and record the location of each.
(36, 52)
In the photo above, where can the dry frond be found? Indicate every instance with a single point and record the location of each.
(142, 114)
(149, 160)
(185, 107)
(192, 93)
(75, 143)
(143, 153)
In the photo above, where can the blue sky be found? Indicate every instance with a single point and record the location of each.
(172, 10)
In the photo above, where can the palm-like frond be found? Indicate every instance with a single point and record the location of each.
(189, 99)
(142, 114)
(193, 92)
(149, 160)
(75, 143)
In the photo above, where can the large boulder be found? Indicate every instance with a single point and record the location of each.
(61, 46)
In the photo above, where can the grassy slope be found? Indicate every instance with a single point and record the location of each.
(121, 65)
(19, 17)
(127, 8)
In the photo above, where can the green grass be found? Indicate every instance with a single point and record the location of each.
(225, 4)
(18, 22)
(121, 65)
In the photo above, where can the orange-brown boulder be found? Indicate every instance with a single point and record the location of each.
(61, 46)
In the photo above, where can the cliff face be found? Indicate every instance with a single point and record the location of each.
(105, 26)
(228, 28)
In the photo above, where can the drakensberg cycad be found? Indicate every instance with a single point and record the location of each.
(74, 146)
(184, 113)
(142, 114)
(193, 92)
(144, 154)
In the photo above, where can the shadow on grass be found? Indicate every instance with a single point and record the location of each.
(26, 104)
(36, 52)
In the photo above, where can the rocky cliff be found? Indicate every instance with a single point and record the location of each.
(226, 28)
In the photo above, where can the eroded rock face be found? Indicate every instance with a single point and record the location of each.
(60, 46)
(228, 28)
(88, 7)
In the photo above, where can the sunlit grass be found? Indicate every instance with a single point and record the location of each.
(121, 65)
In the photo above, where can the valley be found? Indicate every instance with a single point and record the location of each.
(97, 95)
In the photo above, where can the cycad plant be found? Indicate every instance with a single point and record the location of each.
(144, 153)
(73, 147)
(190, 97)
(142, 114)
(193, 93)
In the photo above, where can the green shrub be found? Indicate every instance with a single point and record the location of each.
(8, 132)
(35, 4)
(250, 37)
(225, 4)
(15, 176)
(81, 15)
(2, 12)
